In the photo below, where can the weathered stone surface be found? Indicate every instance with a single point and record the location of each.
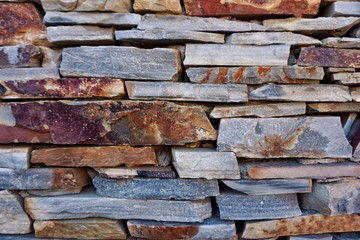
(54, 192)
(88, 204)
(186, 23)
(120, 6)
(330, 70)
(157, 6)
(355, 93)
(90, 228)
(258, 110)
(205, 163)
(346, 78)
(187, 92)
(24, 74)
(122, 62)
(342, 9)
(235, 55)
(156, 188)
(329, 57)
(319, 160)
(346, 236)
(51, 57)
(301, 93)
(347, 120)
(43, 178)
(344, 42)
(255, 75)
(237, 206)
(333, 107)
(13, 218)
(16, 157)
(355, 32)
(145, 171)
(20, 56)
(110, 156)
(308, 137)
(312, 237)
(212, 228)
(307, 224)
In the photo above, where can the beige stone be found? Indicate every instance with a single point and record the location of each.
(157, 6)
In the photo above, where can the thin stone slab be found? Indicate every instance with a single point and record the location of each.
(330, 70)
(236, 55)
(119, 6)
(301, 137)
(355, 93)
(15, 157)
(333, 107)
(156, 188)
(88, 204)
(187, 23)
(54, 192)
(20, 56)
(122, 62)
(346, 78)
(342, 9)
(187, 92)
(237, 206)
(301, 93)
(24, 74)
(157, 6)
(355, 32)
(312, 237)
(205, 163)
(255, 75)
(344, 42)
(145, 172)
(319, 160)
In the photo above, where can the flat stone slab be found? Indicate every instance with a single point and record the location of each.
(122, 62)
(187, 92)
(330, 70)
(312, 237)
(53, 192)
(20, 56)
(24, 74)
(355, 93)
(333, 107)
(344, 42)
(145, 172)
(156, 188)
(157, 6)
(301, 137)
(205, 163)
(346, 78)
(120, 6)
(236, 55)
(237, 206)
(255, 75)
(301, 93)
(88, 204)
(16, 157)
(342, 9)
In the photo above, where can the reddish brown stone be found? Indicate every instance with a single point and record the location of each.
(20, 134)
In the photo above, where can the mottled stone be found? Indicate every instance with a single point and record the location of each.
(355, 93)
(344, 42)
(51, 57)
(24, 74)
(157, 6)
(205, 163)
(333, 107)
(307, 137)
(54, 192)
(120, 6)
(131, 172)
(342, 9)
(16, 157)
(346, 78)
(20, 56)
(122, 62)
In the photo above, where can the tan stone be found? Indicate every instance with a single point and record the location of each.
(352, 78)
(333, 107)
(355, 93)
(157, 6)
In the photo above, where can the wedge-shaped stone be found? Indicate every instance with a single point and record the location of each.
(90, 228)
(355, 94)
(258, 110)
(333, 107)
(43, 178)
(342, 9)
(235, 55)
(24, 74)
(146, 171)
(88, 204)
(237, 206)
(302, 93)
(13, 218)
(120, 6)
(355, 32)
(307, 137)
(156, 188)
(346, 78)
(186, 23)
(265, 187)
(255, 75)
(307, 224)
(187, 92)
(110, 156)
(329, 57)
(344, 42)
(212, 228)
(347, 120)
(157, 6)
(122, 62)
(205, 163)
(20, 56)
(15, 157)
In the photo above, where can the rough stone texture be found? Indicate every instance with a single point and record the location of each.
(24, 74)
(346, 78)
(13, 218)
(354, 138)
(16, 157)
(329, 57)
(43, 178)
(156, 188)
(51, 57)
(355, 94)
(110, 156)
(330, 70)
(205, 163)
(54, 192)
(20, 56)
(344, 42)
(237, 206)
(355, 32)
(301, 93)
(308, 137)
(120, 6)
(187, 92)
(146, 172)
(88, 204)
(122, 62)
(333, 107)
(235, 55)
(157, 6)
(255, 75)
(342, 9)
(90, 228)
(347, 120)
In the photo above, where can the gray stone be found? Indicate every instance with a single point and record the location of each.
(307, 137)
(7, 118)
(333, 107)
(187, 92)
(11, 74)
(312, 237)
(355, 94)
(54, 192)
(342, 9)
(347, 120)
(16, 157)
(346, 78)
(355, 32)
(122, 62)
(20, 56)
(330, 70)
(131, 172)
(347, 236)
(156, 188)
(344, 42)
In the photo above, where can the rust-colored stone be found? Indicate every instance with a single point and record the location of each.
(20, 134)
(185, 231)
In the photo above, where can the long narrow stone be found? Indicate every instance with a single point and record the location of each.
(145, 171)
(330, 70)
(16, 157)
(342, 9)
(20, 56)
(312, 237)
(346, 236)
(237, 206)
(122, 62)
(307, 137)
(54, 192)
(333, 107)
(355, 93)
(346, 78)
(88, 204)
(24, 74)
(157, 6)
(236, 55)
(186, 92)
(347, 120)
(344, 42)
(120, 6)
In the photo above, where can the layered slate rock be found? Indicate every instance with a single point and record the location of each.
(120, 6)
(303, 8)
(255, 75)
(145, 172)
(339, 9)
(88, 204)
(346, 78)
(308, 137)
(20, 56)
(333, 107)
(43, 178)
(90, 228)
(236, 55)
(122, 62)
(24, 74)
(53, 192)
(237, 206)
(355, 94)
(16, 157)
(157, 6)
(330, 70)
(205, 163)
(13, 218)
(344, 42)
(187, 92)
